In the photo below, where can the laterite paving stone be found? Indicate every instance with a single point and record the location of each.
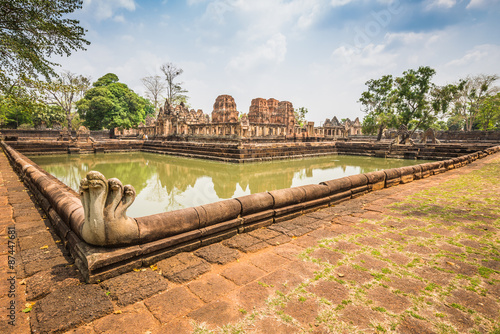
(211, 287)
(134, 286)
(173, 304)
(69, 307)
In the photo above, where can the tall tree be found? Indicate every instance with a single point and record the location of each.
(155, 86)
(111, 104)
(64, 91)
(31, 31)
(489, 113)
(16, 107)
(378, 102)
(175, 92)
(471, 91)
(48, 115)
(413, 104)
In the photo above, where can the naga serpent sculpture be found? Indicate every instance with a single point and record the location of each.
(105, 203)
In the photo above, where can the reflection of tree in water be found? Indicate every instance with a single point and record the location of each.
(70, 169)
(168, 177)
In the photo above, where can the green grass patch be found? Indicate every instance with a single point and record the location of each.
(432, 286)
(379, 309)
(358, 267)
(264, 284)
(459, 307)
(416, 316)
(485, 272)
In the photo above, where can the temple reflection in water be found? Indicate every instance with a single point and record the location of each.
(166, 183)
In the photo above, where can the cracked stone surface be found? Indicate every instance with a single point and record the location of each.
(183, 267)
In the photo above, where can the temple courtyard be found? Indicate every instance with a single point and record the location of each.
(421, 257)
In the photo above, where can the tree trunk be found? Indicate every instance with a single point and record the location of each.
(69, 118)
(380, 131)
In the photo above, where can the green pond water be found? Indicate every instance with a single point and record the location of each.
(166, 183)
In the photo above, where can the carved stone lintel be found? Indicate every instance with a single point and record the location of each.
(105, 203)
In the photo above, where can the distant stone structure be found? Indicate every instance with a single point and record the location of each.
(272, 117)
(83, 134)
(335, 129)
(225, 110)
(177, 121)
(265, 118)
(403, 137)
(429, 134)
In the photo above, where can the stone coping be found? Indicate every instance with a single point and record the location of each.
(166, 234)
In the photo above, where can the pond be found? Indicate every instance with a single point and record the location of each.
(166, 183)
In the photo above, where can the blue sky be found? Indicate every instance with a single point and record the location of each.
(316, 54)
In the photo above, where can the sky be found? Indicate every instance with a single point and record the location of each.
(317, 54)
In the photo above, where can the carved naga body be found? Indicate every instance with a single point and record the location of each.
(105, 203)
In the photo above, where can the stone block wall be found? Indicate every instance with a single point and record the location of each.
(469, 136)
(15, 134)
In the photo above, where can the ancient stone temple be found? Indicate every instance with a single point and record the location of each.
(286, 114)
(334, 128)
(224, 110)
(175, 121)
(272, 117)
(259, 111)
(265, 118)
(353, 127)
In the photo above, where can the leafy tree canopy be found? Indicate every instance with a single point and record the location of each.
(413, 105)
(379, 103)
(489, 113)
(106, 80)
(63, 92)
(31, 31)
(470, 93)
(300, 115)
(16, 108)
(48, 115)
(111, 104)
(411, 100)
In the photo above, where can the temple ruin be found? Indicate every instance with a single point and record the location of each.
(335, 129)
(266, 118)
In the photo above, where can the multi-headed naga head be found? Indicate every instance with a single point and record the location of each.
(105, 203)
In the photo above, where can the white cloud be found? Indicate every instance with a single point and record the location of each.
(371, 56)
(194, 2)
(105, 9)
(273, 51)
(339, 3)
(119, 18)
(478, 3)
(433, 4)
(478, 53)
(267, 15)
(216, 10)
(421, 40)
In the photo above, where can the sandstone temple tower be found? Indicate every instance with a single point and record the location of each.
(225, 110)
(278, 117)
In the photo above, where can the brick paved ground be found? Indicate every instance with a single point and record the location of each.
(417, 258)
